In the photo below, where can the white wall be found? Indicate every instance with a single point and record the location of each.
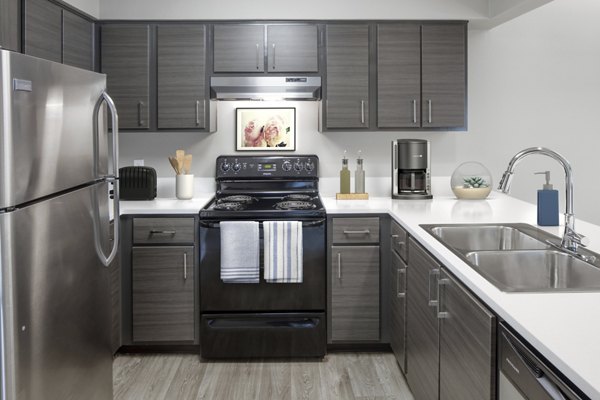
(91, 7)
(533, 81)
(307, 9)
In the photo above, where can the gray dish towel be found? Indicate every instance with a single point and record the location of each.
(283, 251)
(240, 245)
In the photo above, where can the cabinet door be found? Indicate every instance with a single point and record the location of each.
(43, 30)
(398, 309)
(422, 361)
(347, 84)
(239, 48)
(399, 75)
(181, 76)
(292, 48)
(163, 294)
(467, 344)
(10, 24)
(125, 52)
(444, 76)
(78, 41)
(355, 293)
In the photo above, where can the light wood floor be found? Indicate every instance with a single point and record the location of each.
(339, 376)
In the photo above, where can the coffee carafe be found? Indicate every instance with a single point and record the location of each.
(411, 176)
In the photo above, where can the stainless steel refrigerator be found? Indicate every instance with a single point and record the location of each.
(57, 164)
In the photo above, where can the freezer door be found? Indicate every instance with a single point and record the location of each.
(46, 128)
(55, 299)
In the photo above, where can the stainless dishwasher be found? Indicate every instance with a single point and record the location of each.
(524, 376)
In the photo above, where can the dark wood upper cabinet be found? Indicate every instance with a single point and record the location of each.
(181, 61)
(444, 76)
(78, 41)
(239, 48)
(347, 83)
(43, 30)
(399, 75)
(125, 61)
(10, 24)
(292, 48)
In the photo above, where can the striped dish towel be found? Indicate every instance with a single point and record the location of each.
(240, 251)
(283, 251)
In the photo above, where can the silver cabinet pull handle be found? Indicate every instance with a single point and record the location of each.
(429, 106)
(362, 111)
(432, 273)
(441, 283)
(414, 111)
(399, 294)
(140, 119)
(395, 236)
(184, 266)
(257, 56)
(363, 232)
(339, 265)
(274, 56)
(157, 232)
(197, 113)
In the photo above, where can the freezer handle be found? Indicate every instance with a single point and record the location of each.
(112, 177)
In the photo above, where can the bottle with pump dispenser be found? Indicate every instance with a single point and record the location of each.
(359, 175)
(344, 176)
(547, 203)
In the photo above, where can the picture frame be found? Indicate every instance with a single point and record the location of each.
(265, 129)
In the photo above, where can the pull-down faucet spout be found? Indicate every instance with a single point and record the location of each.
(571, 239)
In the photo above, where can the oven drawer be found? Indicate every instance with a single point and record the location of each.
(263, 335)
(163, 230)
(356, 230)
(399, 240)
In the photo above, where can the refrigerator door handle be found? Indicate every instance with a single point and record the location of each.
(112, 178)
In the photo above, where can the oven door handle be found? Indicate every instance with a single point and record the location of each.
(215, 225)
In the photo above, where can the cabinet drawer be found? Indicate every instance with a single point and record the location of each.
(356, 230)
(399, 240)
(163, 230)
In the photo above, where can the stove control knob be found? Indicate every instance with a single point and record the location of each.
(237, 166)
(309, 166)
(225, 166)
(298, 166)
(286, 165)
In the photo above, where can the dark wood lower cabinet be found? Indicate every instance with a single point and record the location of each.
(163, 294)
(467, 344)
(355, 293)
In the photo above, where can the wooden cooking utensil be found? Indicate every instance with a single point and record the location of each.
(179, 155)
(174, 164)
(187, 163)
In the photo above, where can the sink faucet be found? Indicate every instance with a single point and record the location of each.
(571, 239)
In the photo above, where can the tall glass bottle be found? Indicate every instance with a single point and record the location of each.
(345, 176)
(359, 175)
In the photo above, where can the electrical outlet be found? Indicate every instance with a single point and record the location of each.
(138, 163)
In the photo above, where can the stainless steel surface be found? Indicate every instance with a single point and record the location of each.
(535, 270)
(274, 58)
(570, 240)
(442, 282)
(414, 111)
(55, 301)
(362, 111)
(523, 375)
(257, 56)
(54, 188)
(339, 259)
(486, 237)
(265, 87)
(401, 271)
(520, 257)
(139, 112)
(184, 266)
(47, 123)
(362, 232)
(429, 113)
(411, 178)
(197, 112)
(433, 273)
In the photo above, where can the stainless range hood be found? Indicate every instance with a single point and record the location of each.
(265, 88)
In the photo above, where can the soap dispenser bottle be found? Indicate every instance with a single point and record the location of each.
(359, 175)
(547, 203)
(345, 176)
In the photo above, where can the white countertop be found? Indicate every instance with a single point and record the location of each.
(564, 327)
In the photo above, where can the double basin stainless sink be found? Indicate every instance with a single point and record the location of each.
(519, 257)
